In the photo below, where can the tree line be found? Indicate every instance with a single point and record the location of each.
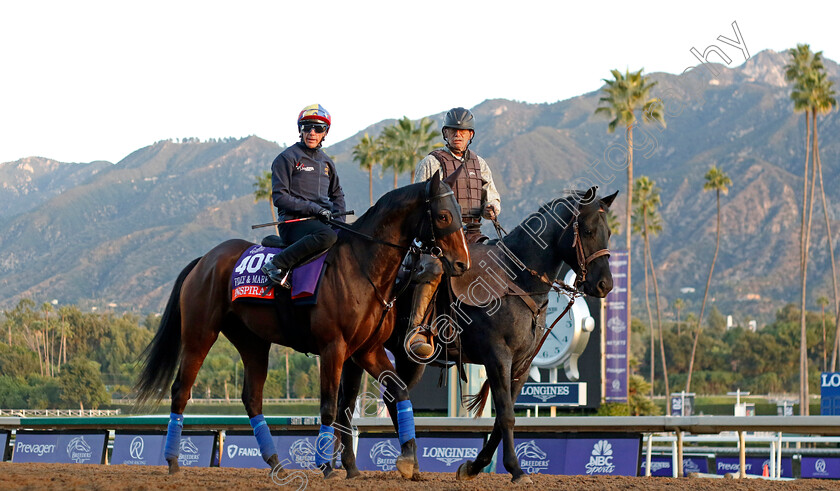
(60, 357)
(728, 358)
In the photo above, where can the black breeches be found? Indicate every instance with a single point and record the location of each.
(306, 240)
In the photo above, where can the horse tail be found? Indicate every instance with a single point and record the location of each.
(475, 403)
(162, 355)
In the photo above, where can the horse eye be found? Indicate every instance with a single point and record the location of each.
(443, 217)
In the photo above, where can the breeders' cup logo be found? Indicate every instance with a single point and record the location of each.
(303, 453)
(135, 448)
(616, 325)
(690, 466)
(187, 452)
(78, 450)
(819, 466)
(450, 455)
(600, 462)
(384, 455)
(531, 457)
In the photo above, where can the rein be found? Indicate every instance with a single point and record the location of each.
(559, 286)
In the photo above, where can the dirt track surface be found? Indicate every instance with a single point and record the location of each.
(124, 477)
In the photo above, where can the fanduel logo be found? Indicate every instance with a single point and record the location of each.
(450, 455)
(237, 451)
(600, 462)
(36, 448)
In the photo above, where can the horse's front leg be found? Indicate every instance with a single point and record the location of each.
(348, 391)
(332, 359)
(396, 398)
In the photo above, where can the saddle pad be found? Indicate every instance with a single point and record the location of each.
(248, 280)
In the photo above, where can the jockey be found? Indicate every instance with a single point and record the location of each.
(476, 193)
(474, 189)
(304, 184)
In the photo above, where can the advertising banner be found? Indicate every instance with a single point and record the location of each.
(295, 450)
(820, 467)
(603, 456)
(435, 453)
(146, 448)
(754, 465)
(536, 455)
(60, 448)
(4, 444)
(552, 394)
(615, 350)
(830, 393)
(660, 465)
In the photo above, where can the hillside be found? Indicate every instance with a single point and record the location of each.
(99, 233)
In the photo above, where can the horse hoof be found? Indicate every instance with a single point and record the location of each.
(173, 466)
(463, 474)
(329, 473)
(523, 479)
(406, 466)
(353, 473)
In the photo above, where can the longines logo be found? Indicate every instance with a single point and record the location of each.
(450, 455)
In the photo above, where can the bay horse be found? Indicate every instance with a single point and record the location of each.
(351, 320)
(503, 330)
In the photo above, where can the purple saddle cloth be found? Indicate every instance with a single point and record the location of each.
(248, 280)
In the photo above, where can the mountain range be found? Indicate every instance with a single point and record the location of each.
(100, 234)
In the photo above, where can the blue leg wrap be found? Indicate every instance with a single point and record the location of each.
(173, 436)
(263, 435)
(405, 421)
(324, 445)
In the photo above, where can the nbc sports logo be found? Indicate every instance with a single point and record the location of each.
(601, 460)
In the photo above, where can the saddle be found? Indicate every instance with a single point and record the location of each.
(489, 279)
(248, 282)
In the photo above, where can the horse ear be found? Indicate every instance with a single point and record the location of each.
(451, 178)
(609, 199)
(589, 196)
(435, 181)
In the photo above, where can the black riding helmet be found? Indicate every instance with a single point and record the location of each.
(459, 118)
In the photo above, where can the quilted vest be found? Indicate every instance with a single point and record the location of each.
(468, 186)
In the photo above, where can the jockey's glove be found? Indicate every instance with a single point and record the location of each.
(325, 215)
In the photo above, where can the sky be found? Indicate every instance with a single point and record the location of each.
(83, 80)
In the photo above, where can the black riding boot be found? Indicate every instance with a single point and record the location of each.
(277, 275)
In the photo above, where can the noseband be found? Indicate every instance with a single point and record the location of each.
(433, 249)
(582, 259)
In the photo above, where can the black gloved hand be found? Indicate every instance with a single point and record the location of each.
(325, 215)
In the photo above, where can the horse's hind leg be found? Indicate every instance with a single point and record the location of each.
(254, 352)
(396, 397)
(348, 391)
(196, 344)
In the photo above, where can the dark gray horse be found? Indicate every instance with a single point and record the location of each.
(502, 329)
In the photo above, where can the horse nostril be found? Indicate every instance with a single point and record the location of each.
(602, 286)
(461, 266)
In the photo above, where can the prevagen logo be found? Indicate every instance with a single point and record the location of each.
(187, 452)
(78, 450)
(531, 457)
(135, 448)
(732, 467)
(657, 465)
(38, 449)
(600, 462)
(384, 455)
(450, 455)
(303, 453)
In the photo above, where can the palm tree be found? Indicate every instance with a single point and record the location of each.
(822, 303)
(719, 182)
(262, 191)
(405, 144)
(678, 304)
(623, 96)
(647, 221)
(367, 152)
(613, 223)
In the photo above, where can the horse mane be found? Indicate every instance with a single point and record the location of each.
(573, 197)
(392, 200)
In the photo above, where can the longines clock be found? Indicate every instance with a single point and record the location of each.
(568, 338)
